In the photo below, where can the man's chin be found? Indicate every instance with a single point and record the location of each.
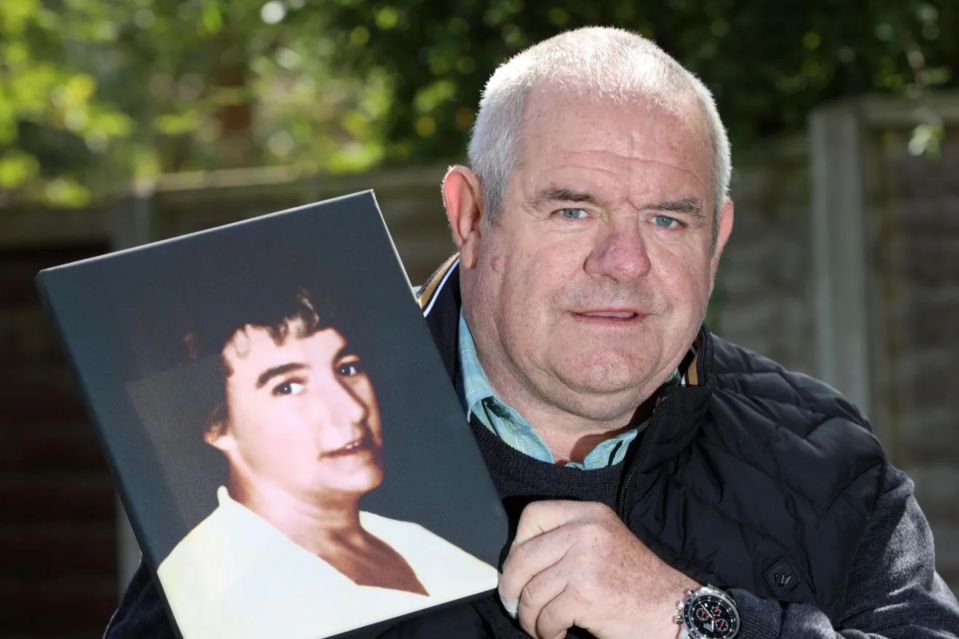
(605, 371)
(614, 410)
(597, 403)
(357, 484)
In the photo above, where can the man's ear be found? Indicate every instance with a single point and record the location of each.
(463, 199)
(724, 227)
(218, 435)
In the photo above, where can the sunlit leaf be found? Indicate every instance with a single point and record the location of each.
(387, 17)
(211, 18)
(14, 15)
(78, 89)
(66, 192)
(16, 167)
(430, 97)
(110, 123)
(176, 123)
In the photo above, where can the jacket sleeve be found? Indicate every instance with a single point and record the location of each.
(142, 614)
(893, 589)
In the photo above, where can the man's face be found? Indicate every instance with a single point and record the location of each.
(591, 286)
(302, 415)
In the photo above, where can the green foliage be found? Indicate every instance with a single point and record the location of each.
(95, 94)
(768, 64)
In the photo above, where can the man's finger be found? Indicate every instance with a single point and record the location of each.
(510, 605)
(529, 559)
(537, 593)
(542, 516)
(556, 617)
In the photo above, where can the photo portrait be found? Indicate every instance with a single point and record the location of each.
(301, 472)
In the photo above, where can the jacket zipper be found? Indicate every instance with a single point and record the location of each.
(639, 458)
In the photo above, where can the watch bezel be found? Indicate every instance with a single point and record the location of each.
(689, 627)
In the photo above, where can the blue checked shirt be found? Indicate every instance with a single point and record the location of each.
(511, 427)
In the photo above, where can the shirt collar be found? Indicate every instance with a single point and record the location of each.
(481, 402)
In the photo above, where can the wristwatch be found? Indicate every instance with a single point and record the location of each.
(707, 613)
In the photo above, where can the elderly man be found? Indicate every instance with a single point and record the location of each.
(650, 467)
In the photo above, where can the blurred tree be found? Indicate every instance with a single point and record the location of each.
(96, 94)
(49, 118)
(768, 64)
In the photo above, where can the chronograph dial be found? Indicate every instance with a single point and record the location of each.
(708, 613)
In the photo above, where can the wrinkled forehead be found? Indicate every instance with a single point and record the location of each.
(548, 101)
(570, 126)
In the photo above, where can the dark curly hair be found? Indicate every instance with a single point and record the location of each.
(186, 327)
(277, 312)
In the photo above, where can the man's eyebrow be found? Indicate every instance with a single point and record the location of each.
(560, 194)
(689, 205)
(282, 369)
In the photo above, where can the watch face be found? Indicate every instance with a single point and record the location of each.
(709, 616)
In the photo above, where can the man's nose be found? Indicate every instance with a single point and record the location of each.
(619, 251)
(339, 406)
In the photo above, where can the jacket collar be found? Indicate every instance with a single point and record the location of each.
(440, 300)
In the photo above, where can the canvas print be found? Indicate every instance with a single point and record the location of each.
(294, 461)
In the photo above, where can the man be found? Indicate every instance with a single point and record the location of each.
(646, 463)
(294, 412)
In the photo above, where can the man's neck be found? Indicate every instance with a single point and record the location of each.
(314, 526)
(570, 437)
(582, 429)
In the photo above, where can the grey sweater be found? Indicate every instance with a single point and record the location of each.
(893, 588)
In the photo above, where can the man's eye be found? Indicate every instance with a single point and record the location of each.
(666, 222)
(288, 388)
(573, 214)
(350, 368)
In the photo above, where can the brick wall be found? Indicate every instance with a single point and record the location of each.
(57, 520)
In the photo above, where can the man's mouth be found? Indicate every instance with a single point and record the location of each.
(359, 445)
(610, 314)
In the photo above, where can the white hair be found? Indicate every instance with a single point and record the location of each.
(608, 63)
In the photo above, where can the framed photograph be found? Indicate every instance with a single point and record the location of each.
(286, 442)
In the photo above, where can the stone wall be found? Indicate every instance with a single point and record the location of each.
(763, 293)
(886, 240)
(915, 284)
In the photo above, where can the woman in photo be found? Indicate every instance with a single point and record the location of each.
(288, 551)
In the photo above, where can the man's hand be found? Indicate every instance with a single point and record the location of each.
(576, 564)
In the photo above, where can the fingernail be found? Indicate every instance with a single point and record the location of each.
(510, 604)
